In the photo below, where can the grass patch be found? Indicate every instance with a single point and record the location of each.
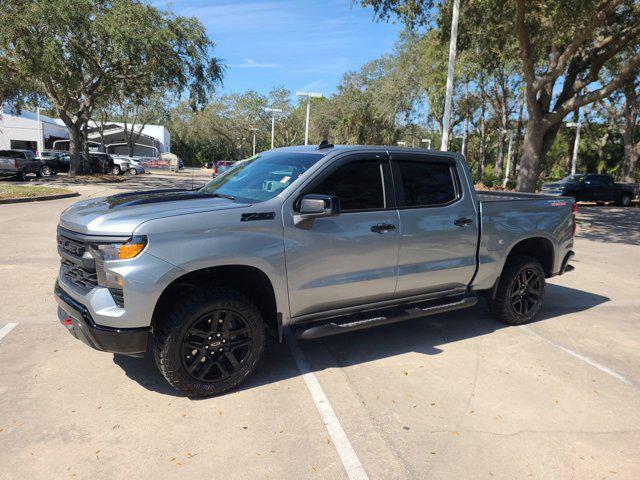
(16, 191)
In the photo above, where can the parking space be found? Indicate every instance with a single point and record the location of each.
(451, 396)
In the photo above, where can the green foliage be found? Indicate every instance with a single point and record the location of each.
(84, 52)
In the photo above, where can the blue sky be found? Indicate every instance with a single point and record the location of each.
(303, 45)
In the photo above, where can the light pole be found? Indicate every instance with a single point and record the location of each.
(449, 89)
(308, 95)
(427, 141)
(273, 112)
(576, 144)
(254, 130)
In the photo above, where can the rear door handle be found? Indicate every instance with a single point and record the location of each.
(383, 227)
(461, 222)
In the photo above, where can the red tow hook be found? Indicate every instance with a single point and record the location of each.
(68, 321)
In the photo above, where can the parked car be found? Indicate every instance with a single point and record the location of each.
(18, 163)
(223, 165)
(135, 167)
(120, 165)
(53, 163)
(591, 187)
(101, 162)
(371, 236)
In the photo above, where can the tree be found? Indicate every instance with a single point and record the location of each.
(570, 43)
(82, 52)
(563, 48)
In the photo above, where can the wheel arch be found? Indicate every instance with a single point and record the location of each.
(540, 248)
(248, 280)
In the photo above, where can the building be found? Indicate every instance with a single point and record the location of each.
(29, 130)
(25, 129)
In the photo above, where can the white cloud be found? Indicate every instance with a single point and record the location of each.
(250, 63)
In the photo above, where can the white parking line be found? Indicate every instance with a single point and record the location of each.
(593, 363)
(351, 462)
(4, 331)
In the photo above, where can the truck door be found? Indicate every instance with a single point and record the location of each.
(347, 259)
(596, 189)
(438, 225)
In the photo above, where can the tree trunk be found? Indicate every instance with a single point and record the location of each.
(75, 146)
(629, 168)
(483, 142)
(500, 159)
(467, 116)
(532, 155)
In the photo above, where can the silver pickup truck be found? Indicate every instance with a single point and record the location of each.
(322, 240)
(18, 163)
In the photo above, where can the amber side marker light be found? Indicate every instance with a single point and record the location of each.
(130, 250)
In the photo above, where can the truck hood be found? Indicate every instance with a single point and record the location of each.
(121, 214)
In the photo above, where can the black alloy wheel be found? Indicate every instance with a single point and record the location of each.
(526, 292)
(520, 291)
(216, 346)
(208, 341)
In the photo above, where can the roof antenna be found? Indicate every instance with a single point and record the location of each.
(324, 144)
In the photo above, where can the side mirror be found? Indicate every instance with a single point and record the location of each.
(315, 205)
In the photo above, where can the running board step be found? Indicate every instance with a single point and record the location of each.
(360, 321)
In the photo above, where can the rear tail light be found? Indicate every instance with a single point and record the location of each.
(574, 212)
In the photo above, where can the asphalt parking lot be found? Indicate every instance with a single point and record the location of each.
(451, 396)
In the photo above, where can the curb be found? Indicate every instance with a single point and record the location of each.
(39, 199)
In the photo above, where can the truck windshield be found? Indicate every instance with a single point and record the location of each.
(262, 176)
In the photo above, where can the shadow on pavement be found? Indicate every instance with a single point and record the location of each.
(610, 224)
(428, 336)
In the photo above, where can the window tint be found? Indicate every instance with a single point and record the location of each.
(425, 183)
(358, 185)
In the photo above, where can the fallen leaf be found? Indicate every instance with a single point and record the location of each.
(172, 459)
(455, 433)
(404, 372)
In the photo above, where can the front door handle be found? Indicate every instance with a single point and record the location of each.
(461, 222)
(383, 227)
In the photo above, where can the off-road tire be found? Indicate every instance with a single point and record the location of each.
(172, 327)
(625, 200)
(501, 307)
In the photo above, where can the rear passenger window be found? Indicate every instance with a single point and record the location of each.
(426, 183)
(358, 185)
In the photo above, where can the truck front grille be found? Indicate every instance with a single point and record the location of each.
(78, 276)
(70, 246)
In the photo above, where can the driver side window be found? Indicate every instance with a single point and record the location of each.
(357, 184)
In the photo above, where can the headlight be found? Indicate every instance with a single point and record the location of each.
(122, 251)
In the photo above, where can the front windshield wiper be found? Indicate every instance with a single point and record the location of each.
(222, 195)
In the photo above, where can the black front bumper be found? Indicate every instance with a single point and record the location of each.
(77, 319)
